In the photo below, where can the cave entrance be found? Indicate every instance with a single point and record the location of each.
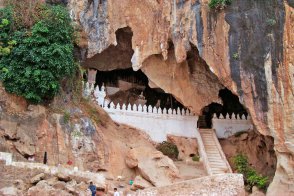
(230, 105)
(116, 56)
(126, 86)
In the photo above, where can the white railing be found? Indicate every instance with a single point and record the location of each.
(100, 94)
(226, 126)
(157, 122)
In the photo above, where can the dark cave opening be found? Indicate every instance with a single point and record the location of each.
(230, 105)
(115, 56)
(128, 86)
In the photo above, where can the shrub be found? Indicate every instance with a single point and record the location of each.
(66, 117)
(41, 57)
(168, 149)
(238, 134)
(219, 4)
(271, 22)
(6, 44)
(196, 158)
(251, 177)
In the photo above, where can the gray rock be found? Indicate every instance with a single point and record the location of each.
(37, 178)
(87, 126)
(9, 191)
(63, 177)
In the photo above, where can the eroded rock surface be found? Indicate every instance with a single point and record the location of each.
(256, 147)
(187, 147)
(248, 46)
(152, 165)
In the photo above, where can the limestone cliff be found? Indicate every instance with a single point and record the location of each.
(247, 47)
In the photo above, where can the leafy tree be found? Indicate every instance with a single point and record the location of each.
(41, 58)
(5, 27)
(219, 4)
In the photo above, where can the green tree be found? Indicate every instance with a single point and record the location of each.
(41, 58)
(219, 4)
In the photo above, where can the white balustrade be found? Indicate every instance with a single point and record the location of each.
(124, 107)
(140, 108)
(154, 110)
(164, 111)
(226, 126)
(145, 109)
(183, 111)
(149, 109)
(159, 111)
(135, 107)
(129, 107)
(117, 106)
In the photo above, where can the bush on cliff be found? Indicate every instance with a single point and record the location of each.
(251, 177)
(40, 56)
(219, 4)
(168, 149)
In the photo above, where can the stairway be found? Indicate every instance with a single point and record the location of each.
(216, 158)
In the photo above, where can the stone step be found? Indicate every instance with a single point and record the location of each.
(218, 166)
(217, 171)
(215, 158)
(213, 151)
(217, 163)
(216, 153)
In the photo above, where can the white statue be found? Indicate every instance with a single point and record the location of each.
(100, 95)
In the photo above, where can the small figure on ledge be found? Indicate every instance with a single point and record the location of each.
(141, 96)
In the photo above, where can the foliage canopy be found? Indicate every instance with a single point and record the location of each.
(39, 57)
(219, 4)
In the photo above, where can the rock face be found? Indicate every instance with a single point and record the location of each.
(140, 183)
(248, 47)
(152, 165)
(187, 146)
(257, 147)
(80, 136)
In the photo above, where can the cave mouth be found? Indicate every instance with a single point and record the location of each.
(230, 105)
(115, 56)
(126, 86)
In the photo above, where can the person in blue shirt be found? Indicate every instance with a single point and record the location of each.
(92, 188)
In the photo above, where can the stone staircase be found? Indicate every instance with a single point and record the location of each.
(217, 161)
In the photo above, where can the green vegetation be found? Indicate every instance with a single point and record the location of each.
(196, 158)
(66, 117)
(271, 22)
(76, 133)
(219, 4)
(236, 56)
(251, 177)
(36, 57)
(168, 149)
(238, 134)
